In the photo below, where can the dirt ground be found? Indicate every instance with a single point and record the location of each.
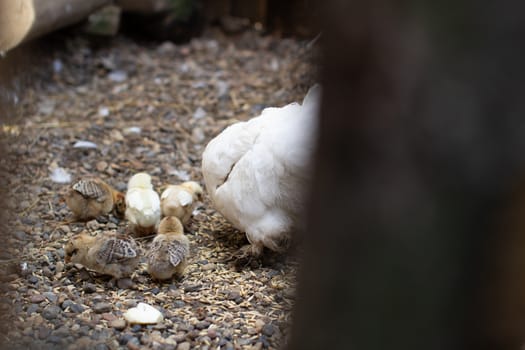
(147, 107)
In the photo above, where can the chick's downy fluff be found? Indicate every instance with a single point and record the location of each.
(169, 250)
(92, 197)
(108, 253)
(142, 205)
(256, 171)
(180, 200)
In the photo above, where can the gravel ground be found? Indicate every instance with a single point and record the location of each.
(147, 107)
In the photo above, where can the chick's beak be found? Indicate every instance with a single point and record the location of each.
(67, 259)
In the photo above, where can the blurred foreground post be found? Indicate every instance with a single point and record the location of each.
(416, 232)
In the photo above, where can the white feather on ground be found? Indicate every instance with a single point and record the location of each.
(256, 171)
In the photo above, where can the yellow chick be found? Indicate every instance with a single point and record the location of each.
(90, 198)
(109, 253)
(142, 205)
(180, 200)
(169, 250)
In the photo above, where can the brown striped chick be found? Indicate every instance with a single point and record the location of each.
(180, 200)
(90, 198)
(108, 253)
(142, 205)
(169, 250)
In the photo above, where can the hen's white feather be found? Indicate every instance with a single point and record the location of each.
(256, 171)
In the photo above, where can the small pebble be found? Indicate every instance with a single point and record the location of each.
(59, 267)
(37, 298)
(55, 339)
(133, 344)
(233, 295)
(192, 288)
(32, 309)
(118, 324)
(89, 288)
(84, 275)
(193, 334)
(212, 333)
(273, 273)
(21, 235)
(101, 346)
(108, 316)
(102, 307)
(51, 312)
(244, 341)
(43, 332)
(62, 332)
(92, 225)
(259, 324)
(159, 326)
(184, 346)
(208, 267)
(76, 308)
(202, 325)
(178, 303)
(102, 220)
(47, 272)
(50, 296)
(118, 76)
(66, 303)
(60, 252)
(84, 330)
(185, 327)
(125, 338)
(130, 302)
(179, 337)
(268, 330)
(228, 334)
(124, 283)
(136, 328)
(101, 166)
(65, 229)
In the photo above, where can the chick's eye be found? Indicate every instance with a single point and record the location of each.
(74, 251)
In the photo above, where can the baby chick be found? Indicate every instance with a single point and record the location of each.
(142, 205)
(109, 254)
(169, 250)
(90, 198)
(180, 200)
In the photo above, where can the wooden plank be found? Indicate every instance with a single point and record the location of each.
(23, 20)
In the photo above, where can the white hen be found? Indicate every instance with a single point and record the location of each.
(256, 171)
(142, 205)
